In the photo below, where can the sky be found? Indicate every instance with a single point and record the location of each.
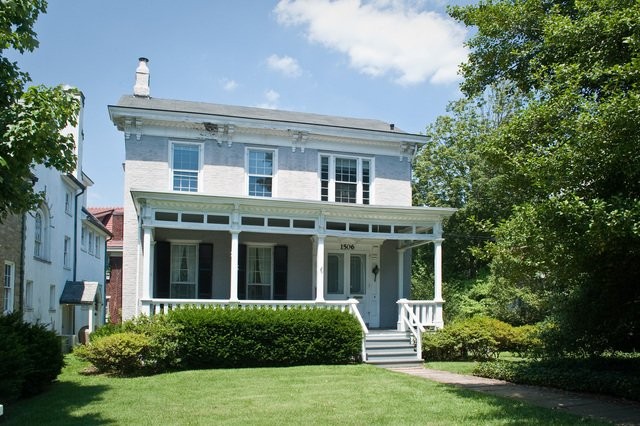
(391, 60)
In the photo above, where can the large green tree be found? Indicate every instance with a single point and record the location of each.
(568, 162)
(31, 119)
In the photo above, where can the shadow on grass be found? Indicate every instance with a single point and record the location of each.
(56, 406)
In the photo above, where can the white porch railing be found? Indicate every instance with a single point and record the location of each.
(158, 306)
(418, 315)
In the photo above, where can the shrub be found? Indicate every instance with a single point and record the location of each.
(31, 357)
(612, 376)
(160, 352)
(215, 337)
(121, 353)
(478, 338)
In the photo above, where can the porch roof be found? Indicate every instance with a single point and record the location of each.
(273, 215)
(79, 293)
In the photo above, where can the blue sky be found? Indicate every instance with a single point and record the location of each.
(392, 60)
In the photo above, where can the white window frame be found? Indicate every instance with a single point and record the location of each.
(359, 178)
(67, 202)
(52, 298)
(199, 180)
(274, 170)
(41, 235)
(91, 242)
(28, 296)
(177, 282)
(66, 252)
(97, 241)
(250, 272)
(9, 284)
(83, 238)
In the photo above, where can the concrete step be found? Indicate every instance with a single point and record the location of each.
(391, 349)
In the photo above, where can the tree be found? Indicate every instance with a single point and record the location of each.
(31, 119)
(569, 161)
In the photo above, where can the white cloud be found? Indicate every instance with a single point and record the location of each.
(284, 64)
(229, 85)
(272, 98)
(383, 37)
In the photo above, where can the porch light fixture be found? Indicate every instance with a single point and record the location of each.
(375, 271)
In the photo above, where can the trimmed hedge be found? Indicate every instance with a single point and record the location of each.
(30, 358)
(261, 337)
(610, 376)
(477, 338)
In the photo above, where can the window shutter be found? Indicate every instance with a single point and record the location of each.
(162, 269)
(205, 270)
(242, 271)
(280, 272)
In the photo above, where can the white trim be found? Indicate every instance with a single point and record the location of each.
(359, 176)
(9, 287)
(271, 272)
(274, 170)
(196, 267)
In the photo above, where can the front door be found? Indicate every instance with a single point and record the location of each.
(348, 276)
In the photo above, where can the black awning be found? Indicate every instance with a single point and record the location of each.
(79, 293)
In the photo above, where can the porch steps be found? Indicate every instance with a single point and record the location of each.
(391, 348)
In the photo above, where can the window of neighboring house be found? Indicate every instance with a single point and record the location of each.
(97, 250)
(41, 234)
(83, 238)
(9, 282)
(260, 172)
(91, 242)
(185, 161)
(67, 202)
(28, 296)
(183, 271)
(67, 252)
(52, 297)
(259, 272)
(345, 179)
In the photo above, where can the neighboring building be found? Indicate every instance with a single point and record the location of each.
(64, 251)
(237, 205)
(112, 218)
(11, 263)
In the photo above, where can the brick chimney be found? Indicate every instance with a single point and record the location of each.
(141, 87)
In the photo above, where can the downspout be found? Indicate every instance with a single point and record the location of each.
(75, 233)
(23, 284)
(104, 287)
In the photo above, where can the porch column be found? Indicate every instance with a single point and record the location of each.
(147, 261)
(233, 290)
(437, 284)
(320, 268)
(401, 274)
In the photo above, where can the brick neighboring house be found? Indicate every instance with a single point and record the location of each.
(112, 218)
(11, 246)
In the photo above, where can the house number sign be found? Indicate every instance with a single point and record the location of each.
(347, 246)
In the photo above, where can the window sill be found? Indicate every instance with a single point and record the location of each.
(40, 259)
(52, 310)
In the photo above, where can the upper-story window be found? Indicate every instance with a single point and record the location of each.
(9, 282)
(68, 202)
(345, 179)
(185, 162)
(67, 252)
(260, 171)
(41, 234)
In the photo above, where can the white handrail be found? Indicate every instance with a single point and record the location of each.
(409, 318)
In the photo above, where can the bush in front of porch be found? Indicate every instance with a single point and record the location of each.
(195, 338)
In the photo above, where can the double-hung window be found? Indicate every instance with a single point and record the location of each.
(185, 162)
(345, 179)
(9, 282)
(260, 272)
(260, 168)
(183, 271)
(67, 252)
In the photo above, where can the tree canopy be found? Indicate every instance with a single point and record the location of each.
(32, 118)
(562, 170)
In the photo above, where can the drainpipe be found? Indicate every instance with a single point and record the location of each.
(23, 284)
(104, 287)
(75, 232)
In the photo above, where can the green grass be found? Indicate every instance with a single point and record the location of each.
(354, 394)
(466, 367)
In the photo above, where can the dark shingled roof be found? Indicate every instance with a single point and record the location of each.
(129, 101)
(79, 293)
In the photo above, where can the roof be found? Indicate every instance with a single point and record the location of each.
(130, 101)
(109, 218)
(79, 293)
(96, 222)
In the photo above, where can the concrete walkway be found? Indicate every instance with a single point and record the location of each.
(618, 411)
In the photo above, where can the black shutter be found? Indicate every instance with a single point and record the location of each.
(162, 270)
(205, 270)
(242, 271)
(280, 273)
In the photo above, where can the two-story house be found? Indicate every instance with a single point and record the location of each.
(64, 250)
(238, 205)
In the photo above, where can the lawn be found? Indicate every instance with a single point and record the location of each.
(354, 394)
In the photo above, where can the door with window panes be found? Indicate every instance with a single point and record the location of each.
(348, 276)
